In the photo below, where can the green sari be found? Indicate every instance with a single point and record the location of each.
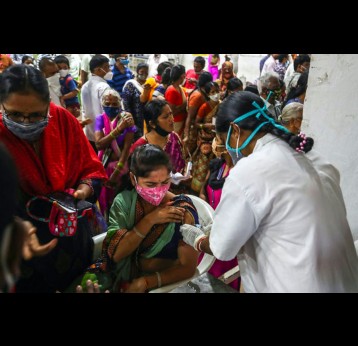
(123, 216)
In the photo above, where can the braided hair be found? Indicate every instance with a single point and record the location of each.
(243, 102)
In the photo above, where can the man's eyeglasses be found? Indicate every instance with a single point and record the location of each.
(19, 117)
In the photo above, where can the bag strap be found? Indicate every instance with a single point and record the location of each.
(44, 198)
(32, 215)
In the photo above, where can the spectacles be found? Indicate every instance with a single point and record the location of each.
(276, 91)
(19, 117)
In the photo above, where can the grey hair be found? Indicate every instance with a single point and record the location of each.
(290, 112)
(264, 80)
(112, 92)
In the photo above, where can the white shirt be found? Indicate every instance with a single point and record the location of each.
(154, 62)
(85, 63)
(75, 64)
(269, 65)
(283, 213)
(91, 95)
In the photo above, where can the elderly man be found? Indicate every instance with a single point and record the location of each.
(270, 91)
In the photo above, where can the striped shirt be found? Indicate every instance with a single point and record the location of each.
(119, 78)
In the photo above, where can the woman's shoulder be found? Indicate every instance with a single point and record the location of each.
(125, 198)
(138, 143)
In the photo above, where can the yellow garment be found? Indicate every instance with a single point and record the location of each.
(153, 84)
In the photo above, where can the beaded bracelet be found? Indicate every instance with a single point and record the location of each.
(159, 279)
(87, 182)
(140, 235)
(120, 165)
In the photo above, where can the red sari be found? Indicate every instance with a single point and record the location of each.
(66, 155)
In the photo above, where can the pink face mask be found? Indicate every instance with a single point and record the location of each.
(153, 195)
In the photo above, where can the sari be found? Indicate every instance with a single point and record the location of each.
(226, 73)
(213, 67)
(107, 194)
(65, 158)
(203, 154)
(173, 147)
(162, 241)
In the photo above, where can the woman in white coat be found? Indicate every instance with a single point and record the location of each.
(281, 212)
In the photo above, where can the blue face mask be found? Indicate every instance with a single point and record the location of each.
(112, 112)
(124, 61)
(236, 154)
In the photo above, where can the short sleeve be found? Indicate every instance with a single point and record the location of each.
(99, 125)
(71, 84)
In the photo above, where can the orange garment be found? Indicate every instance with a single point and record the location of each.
(5, 62)
(226, 73)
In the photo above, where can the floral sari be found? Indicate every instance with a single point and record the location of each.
(107, 194)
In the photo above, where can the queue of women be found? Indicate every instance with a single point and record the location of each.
(279, 210)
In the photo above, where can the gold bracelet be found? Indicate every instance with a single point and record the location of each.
(112, 135)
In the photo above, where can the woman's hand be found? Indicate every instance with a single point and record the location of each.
(83, 192)
(127, 121)
(166, 214)
(32, 246)
(137, 286)
(91, 288)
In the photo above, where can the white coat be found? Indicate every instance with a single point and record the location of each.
(283, 213)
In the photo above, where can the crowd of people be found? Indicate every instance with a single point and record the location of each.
(92, 146)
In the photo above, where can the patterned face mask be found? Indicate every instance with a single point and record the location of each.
(28, 132)
(153, 195)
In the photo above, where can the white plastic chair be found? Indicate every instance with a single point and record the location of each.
(98, 240)
(205, 212)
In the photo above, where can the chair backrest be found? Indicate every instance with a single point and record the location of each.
(206, 213)
(98, 240)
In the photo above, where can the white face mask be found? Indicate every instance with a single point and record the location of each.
(54, 83)
(64, 73)
(215, 97)
(108, 75)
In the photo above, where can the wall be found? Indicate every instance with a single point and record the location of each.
(249, 67)
(331, 118)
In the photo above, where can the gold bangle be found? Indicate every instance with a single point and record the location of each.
(112, 135)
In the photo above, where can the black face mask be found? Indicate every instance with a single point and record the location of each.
(161, 132)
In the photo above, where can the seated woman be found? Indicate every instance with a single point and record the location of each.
(113, 138)
(144, 248)
(160, 123)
